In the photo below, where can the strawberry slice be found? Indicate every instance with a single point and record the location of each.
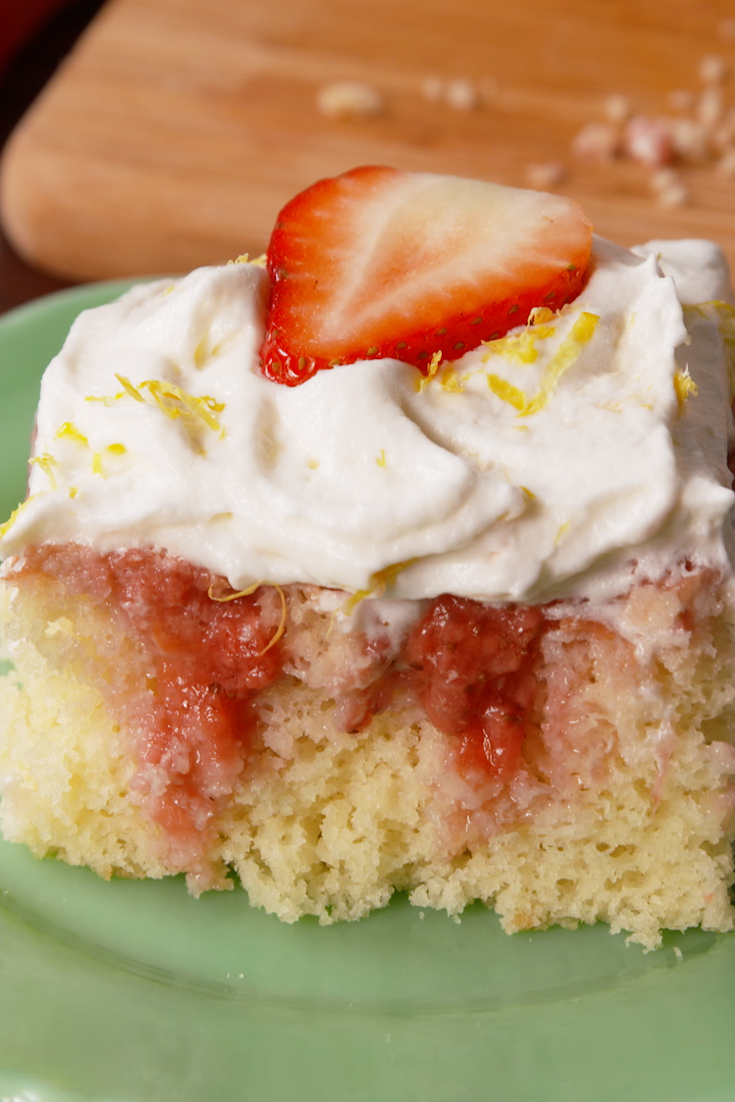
(379, 262)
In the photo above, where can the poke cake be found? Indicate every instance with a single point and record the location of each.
(400, 560)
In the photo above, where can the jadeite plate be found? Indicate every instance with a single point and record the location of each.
(127, 990)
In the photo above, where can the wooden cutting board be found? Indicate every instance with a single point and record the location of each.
(177, 128)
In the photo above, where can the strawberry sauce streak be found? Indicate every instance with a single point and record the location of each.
(207, 659)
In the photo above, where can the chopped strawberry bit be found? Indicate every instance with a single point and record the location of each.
(493, 743)
(381, 263)
(466, 656)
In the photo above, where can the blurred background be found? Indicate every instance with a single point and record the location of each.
(149, 136)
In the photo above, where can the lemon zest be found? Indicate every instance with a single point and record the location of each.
(450, 381)
(247, 593)
(73, 491)
(504, 390)
(431, 369)
(684, 385)
(565, 356)
(519, 347)
(201, 352)
(47, 463)
(561, 530)
(128, 389)
(540, 315)
(105, 399)
(381, 461)
(352, 602)
(5, 528)
(244, 258)
(171, 400)
(378, 583)
(233, 596)
(175, 402)
(69, 431)
(282, 625)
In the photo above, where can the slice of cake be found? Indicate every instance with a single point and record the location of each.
(402, 563)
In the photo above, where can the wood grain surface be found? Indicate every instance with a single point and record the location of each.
(177, 128)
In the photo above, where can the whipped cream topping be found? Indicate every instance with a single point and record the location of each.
(544, 465)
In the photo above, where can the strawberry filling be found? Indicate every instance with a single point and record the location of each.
(202, 662)
(474, 672)
(468, 667)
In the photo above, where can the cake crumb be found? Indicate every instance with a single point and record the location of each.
(678, 953)
(695, 128)
(647, 139)
(689, 138)
(596, 141)
(461, 94)
(617, 108)
(350, 99)
(710, 107)
(545, 175)
(669, 189)
(663, 178)
(712, 69)
(674, 196)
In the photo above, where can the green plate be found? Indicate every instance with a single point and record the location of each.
(127, 990)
